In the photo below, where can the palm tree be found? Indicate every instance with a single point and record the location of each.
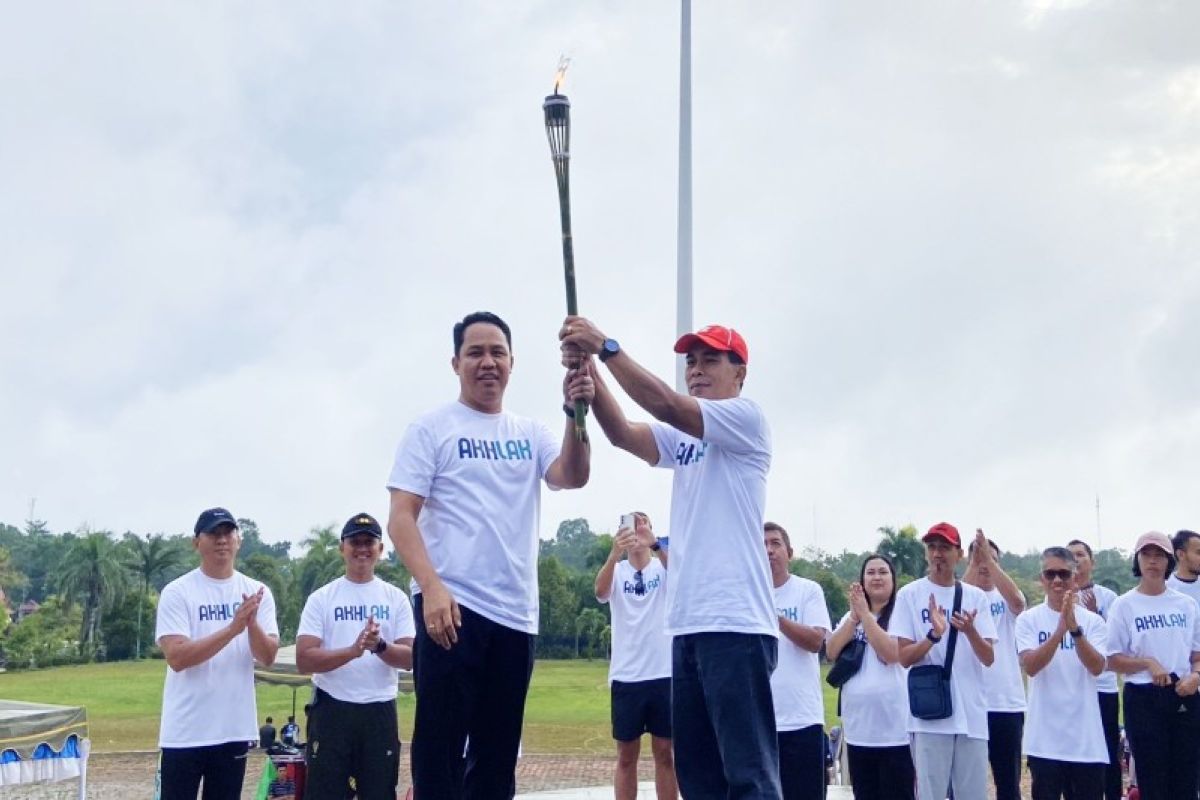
(904, 549)
(93, 574)
(322, 562)
(150, 558)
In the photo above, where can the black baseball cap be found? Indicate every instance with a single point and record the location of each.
(361, 523)
(213, 517)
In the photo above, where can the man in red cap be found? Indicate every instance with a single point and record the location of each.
(953, 750)
(720, 607)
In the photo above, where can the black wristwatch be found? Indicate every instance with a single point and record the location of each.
(380, 647)
(932, 638)
(656, 546)
(1075, 634)
(609, 349)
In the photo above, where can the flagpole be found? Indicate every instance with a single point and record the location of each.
(683, 274)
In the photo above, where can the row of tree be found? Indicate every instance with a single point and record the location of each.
(91, 595)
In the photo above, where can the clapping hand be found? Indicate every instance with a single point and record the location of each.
(1068, 611)
(982, 552)
(1088, 598)
(859, 608)
(937, 618)
(964, 621)
(247, 612)
(368, 638)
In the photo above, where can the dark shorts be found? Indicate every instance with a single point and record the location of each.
(641, 707)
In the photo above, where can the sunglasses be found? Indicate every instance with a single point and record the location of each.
(1061, 574)
(639, 586)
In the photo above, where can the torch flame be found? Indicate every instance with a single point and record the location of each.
(560, 76)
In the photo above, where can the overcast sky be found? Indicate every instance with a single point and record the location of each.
(961, 240)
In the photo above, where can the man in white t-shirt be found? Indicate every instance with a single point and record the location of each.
(796, 682)
(950, 751)
(1187, 564)
(1062, 647)
(720, 608)
(465, 502)
(213, 624)
(355, 633)
(639, 674)
(1099, 599)
(1005, 689)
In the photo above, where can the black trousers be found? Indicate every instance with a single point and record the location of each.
(1053, 780)
(722, 716)
(221, 767)
(352, 740)
(475, 689)
(1004, 752)
(1165, 741)
(881, 773)
(1110, 718)
(802, 763)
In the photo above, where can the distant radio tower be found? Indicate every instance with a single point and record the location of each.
(1098, 540)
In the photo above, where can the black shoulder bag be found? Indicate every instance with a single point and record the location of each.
(929, 694)
(848, 662)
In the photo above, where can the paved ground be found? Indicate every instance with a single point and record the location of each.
(130, 776)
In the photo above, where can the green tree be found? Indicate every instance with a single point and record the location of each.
(11, 580)
(94, 575)
(590, 625)
(559, 607)
(322, 562)
(45, 638)
(36, 553)
(904, 549)
(122, 629)
(150, 559)
(252, 542)
(278, 576)
(573, 544)
(832, 587)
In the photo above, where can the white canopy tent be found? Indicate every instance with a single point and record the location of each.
(40, 742)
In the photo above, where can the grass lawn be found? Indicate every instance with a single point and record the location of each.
(567, 710)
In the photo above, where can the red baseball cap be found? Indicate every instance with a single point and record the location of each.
(944, 531)
(717, 337)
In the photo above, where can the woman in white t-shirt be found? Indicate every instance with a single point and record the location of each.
(1154, 639)
(874, 700)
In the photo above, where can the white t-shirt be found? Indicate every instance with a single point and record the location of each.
(875, 700)
(1190, 588)
(641, 648)
(1005, 689)
(796, 681)
(1165, 627)
(336, 614)
(213, 702)
(1105, 597)
(480, 476)
(720, 578)
(911, 621)
(1063, 722)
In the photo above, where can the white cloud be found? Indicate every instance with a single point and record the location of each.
(961, 242)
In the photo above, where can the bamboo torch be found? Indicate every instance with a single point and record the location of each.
(557, 109)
